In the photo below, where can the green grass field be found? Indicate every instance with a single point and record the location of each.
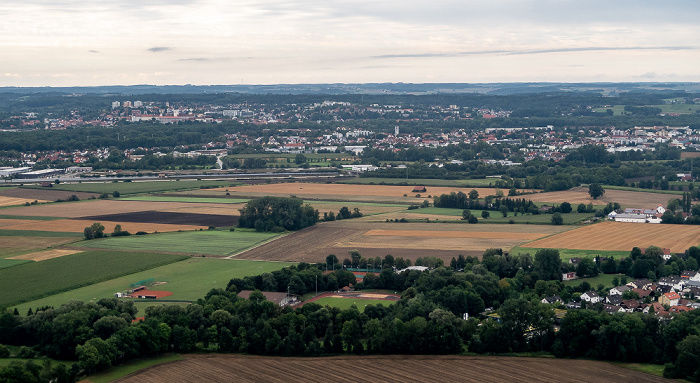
(654, 369)
(541, 219)
(188, 280)
(113, 373)
(136, 187)
(566, 254)
(213, 242)
(185, 199)
(481, 182)
(5, 263)
(35, 280)
(32, 218)
(600, 279)
(627, 188)
(619, 110)
(346, 303)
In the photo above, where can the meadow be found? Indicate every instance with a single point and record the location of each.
(566, 254)
(212, 242)
(188, 280)
(35, 280)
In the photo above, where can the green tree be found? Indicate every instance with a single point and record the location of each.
(595, 190)
(548, 264)
(485, 214)
(473, 194)
(557, 219)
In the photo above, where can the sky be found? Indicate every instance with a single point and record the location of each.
(207, 42)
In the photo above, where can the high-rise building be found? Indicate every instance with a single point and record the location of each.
(396, 130)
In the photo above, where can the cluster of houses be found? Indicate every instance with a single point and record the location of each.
(664, 297)
(638, 215)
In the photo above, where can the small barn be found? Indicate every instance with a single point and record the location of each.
(419, 189)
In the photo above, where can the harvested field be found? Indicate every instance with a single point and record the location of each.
(48, 194)
(16, 245)
(385, 368)
(413, 240)
(320, 191)
(623, 236)
(170, 218)
(625, 198)
(12, 201)
(77, 226)
(44, 255)
(10, 222)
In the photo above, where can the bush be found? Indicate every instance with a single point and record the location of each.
(4, 351)
(26, 353)
(141, 233)
(116, 194)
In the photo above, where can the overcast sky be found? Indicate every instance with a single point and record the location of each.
(109, 42)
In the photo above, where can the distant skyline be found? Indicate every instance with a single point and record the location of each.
(201, 42)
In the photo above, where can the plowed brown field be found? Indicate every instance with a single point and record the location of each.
(407, 240)
(625, 198)
(392, 368)
(623, 236)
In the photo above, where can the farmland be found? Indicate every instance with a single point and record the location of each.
(188, 280)
(394, 368)
(13, 245)
(407, 240)
(211, 242)
(160, 198)
(34, 280)
(622, 236)
(137, 186)
(482, 182)
(625, 198)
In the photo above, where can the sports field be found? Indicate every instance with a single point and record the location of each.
(35, 280)
(188, 280)
(623, 236)
(212, 242)
(346, 303)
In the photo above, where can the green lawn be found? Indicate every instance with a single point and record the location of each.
(33, 218)
(654, 369)
(213, 242)
(600, 279)
(136, 187)
(565, 254)
(613, 187)
(34, 233)
(185, 199)
(345, 303)
(188, 280)
(35, 280)
(114, 373)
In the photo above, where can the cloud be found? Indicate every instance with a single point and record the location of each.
(159, 49)
(94, 51)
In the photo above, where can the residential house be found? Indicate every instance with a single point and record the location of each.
(552, 300)
(643, 284)
(619, 290)
(670, 298)
(675, 281)
(612, 309)
(631, 305)
(573, 305)
(591, 297)
(568, 276)
(691, 275)
(613, 300)
(666, 255)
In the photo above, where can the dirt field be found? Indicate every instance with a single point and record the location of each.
(385, 368)
(46, 254)
(12, 201)
(625, 198)
(624, 236)
(320, 191)
(407, 240)
(77, 226)
(44, 194)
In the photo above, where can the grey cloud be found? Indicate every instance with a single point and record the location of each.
(159, 49)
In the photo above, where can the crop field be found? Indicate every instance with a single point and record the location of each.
(11, 246)
(346, 192)
(577, 195)
(482, 182)
(412, 240)
(42, 194)
(386, 368)
(188, 280)
(622, 236)
(5, 263)
(44, 255)
(167, 217)
(156, 198)
(77, 226)
(34, 280)
(13, 201)
(136, 187)
(210, 242)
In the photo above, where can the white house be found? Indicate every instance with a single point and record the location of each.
(619, 290)
(591, 297)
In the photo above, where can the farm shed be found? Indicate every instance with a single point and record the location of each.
(419, 189)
